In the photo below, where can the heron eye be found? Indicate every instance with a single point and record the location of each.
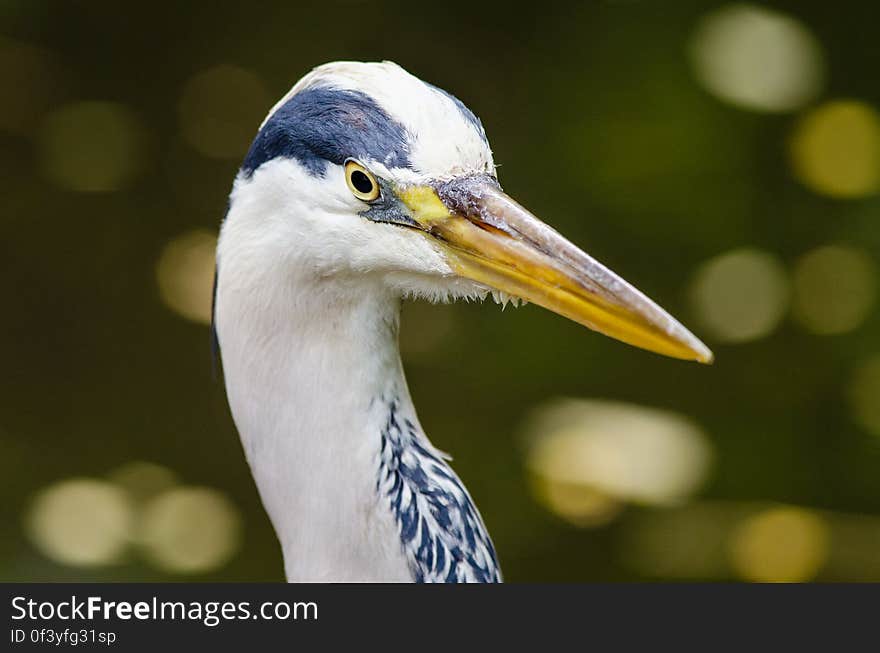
(361, 181)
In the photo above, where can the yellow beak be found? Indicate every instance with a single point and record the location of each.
(494, 241)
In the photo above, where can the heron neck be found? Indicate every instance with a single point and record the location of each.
(308, 375)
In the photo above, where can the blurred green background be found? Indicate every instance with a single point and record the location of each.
(725, 158)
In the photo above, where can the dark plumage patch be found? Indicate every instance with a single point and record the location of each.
(442, 534)
(322, 124)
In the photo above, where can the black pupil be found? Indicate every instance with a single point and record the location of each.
(360, 181)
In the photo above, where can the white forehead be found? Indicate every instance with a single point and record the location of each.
(444, 140)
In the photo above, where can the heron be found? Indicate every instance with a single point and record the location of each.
(365, 186)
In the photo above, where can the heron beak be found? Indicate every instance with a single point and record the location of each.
(491, 239)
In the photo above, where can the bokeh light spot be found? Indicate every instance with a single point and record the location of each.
(834, 289)
(92, 146)
(741, 295)
(864, 395)
(190, 530)
(580, 505)
(757, 58)
(81, 522)
(835, 149)
(783, 544)
(221, 109)
(185, 274)
(586, 455)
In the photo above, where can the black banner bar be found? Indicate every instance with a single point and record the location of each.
(134, 617)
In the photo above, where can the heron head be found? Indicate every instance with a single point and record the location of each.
(363, 173)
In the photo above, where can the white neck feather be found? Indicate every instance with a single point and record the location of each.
(307, 364)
